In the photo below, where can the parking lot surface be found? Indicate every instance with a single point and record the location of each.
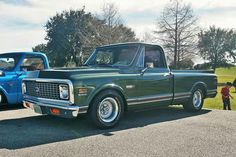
(143, 132)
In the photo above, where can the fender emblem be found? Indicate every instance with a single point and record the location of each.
(37, 89)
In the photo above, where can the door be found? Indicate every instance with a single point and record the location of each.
(29, 63)
(156, 82)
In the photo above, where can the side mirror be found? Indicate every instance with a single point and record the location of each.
(149, 65)
(144, 70)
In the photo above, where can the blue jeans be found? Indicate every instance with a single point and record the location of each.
(226, 104)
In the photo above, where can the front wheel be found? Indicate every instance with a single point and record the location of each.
(107, 109)
(1, 99)
(195, 103)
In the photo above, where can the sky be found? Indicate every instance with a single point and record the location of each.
(22, 21)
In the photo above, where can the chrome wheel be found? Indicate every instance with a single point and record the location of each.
(197, 99)
(108, 109)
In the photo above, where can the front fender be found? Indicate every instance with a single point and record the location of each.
(111, 86)
(10, 97)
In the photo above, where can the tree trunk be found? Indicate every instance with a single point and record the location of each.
(176, 37)
(175, 49)
(178, 53)
(76, 61)
(215, 62)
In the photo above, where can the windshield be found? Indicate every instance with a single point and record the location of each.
(113, 56)
(8, 62)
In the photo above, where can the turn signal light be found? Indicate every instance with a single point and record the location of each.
(83, 92)
(55, 111)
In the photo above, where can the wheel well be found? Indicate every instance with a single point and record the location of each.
(3, 97)
(203, 88)
(120, 93)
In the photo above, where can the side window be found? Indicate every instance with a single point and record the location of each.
(153, 57)
(140, 62)
(32, 63)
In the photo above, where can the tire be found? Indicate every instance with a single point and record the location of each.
(2, 99)
(106, 109)
(195, 102)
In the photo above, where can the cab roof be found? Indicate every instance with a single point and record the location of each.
(22, 53)
(129, 43)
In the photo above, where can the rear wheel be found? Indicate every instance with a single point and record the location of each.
(195, 103)
(107, 109)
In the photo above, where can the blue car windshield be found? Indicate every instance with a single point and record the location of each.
(113, 56)
(8, 62)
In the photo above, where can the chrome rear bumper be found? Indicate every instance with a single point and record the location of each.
(211, 93)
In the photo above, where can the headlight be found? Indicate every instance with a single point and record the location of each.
(24, 88)
(64, 91)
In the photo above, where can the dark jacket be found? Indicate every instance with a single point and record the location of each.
(234, 83)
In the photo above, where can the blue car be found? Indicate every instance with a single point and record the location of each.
(15, 66)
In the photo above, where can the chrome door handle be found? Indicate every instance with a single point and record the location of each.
(167, 74)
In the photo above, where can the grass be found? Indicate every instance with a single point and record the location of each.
(224, 75)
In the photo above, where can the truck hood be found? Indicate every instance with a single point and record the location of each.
(68, 73)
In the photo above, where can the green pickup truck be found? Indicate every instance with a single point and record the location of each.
(114, 78)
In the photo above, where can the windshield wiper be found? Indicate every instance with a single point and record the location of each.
(100, 65)
(104, 65)
(85, 65)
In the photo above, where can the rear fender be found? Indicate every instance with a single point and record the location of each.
(201, 85)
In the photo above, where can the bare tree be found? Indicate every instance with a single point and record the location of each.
(148, 37)
(177, 31)
(110, 14)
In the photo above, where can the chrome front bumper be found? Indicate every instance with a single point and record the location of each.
(64, 111)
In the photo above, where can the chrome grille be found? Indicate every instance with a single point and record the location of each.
(46, 90)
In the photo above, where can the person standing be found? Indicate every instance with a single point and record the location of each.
(234, 84)
(226, 95)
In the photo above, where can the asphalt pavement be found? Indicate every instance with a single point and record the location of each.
(143, 132)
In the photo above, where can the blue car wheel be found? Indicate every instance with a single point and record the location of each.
(1, 98)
